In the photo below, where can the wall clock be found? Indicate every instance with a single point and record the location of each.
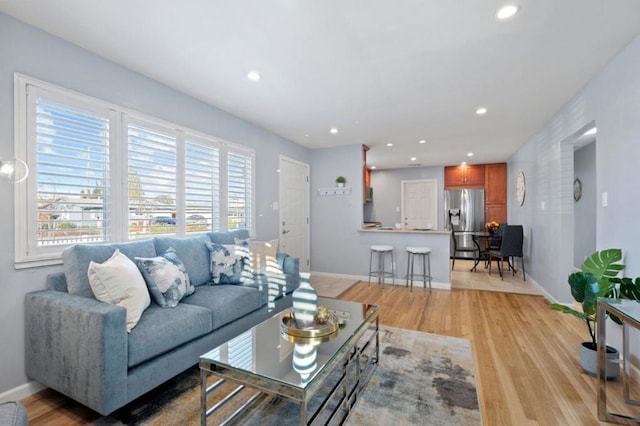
(577, 189)
(520, 187)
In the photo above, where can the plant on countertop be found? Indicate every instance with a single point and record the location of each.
(341, 179)
(598, 278)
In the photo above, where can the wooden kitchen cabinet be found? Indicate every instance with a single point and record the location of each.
(495, 192)
(464, 176)
(366, 174)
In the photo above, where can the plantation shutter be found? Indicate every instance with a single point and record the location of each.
(72, 172)
(239, 191)
(152, 158)
(202, 187)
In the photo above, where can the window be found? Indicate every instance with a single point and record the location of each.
(239, 190)
(202, 186)
(100, 173)
(151, 180)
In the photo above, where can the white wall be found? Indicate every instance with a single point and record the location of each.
(612, 100)
(585, 209)
(32, 52)
(387, 193)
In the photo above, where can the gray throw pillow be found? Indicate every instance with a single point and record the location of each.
(225, 263)
(166, 278)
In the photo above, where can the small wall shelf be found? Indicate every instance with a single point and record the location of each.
(334, 191)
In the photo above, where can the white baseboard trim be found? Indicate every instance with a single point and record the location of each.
(21, 391)
(544, 292)
(365, 278)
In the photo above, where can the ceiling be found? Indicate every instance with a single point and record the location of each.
(379, 71)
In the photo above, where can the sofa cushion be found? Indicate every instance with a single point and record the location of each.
(77, 258)
(166, 278)
(161, 330)
(228, 237)
(119, 282)
(192, 252)
(225, 263)
(226, 302)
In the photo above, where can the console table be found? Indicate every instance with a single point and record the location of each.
(629, 312)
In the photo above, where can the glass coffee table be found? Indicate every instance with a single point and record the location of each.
(332, 369)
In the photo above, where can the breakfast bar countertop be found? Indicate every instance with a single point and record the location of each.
(406, 231)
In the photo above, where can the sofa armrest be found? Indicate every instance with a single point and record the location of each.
(77, 346)
(289, 265)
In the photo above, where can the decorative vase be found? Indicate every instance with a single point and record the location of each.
(305, 360)
(305, 302)
(340, 184)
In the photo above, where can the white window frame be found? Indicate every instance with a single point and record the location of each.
(27, 252)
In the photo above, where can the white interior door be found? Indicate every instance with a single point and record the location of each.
(419, 203)
(294, 210)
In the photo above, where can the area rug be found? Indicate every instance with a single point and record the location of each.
(421, 378)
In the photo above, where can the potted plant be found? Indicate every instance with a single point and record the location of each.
(340, 181)
(597, 278)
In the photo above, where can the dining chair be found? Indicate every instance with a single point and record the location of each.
(461, 249)
(494, 242)
(510, 248)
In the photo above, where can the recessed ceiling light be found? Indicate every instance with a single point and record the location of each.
(373, 167)
(413, 158)
(469, 154)
(591, 131)
(464, 163)
(389, 144)
(507, 11)
(422, 141)
(481, 111)
(254, 75)
(333, 130)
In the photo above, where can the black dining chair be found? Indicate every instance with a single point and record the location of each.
(495, 240)
(510, 248)
(461, 249)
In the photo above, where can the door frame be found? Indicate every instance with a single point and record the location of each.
(282, 158)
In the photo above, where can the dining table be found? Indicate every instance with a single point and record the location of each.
(481, 241)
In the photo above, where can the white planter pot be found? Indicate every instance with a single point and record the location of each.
(589, 360)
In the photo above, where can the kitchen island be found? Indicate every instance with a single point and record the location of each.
(438, 240)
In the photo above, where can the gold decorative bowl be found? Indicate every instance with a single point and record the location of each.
(314, 331)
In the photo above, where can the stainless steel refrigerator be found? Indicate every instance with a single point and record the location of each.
(464, 210)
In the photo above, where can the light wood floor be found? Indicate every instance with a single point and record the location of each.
(526, 355)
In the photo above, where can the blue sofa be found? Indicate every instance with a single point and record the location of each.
(79, 346)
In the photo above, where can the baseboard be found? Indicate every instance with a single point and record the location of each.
(434, 284)
(21, 391)
(544, 292)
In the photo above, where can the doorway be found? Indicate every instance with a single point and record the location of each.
(294, 210)
(585, 205)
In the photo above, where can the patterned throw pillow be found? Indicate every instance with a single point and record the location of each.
(225, 263)
(166, 278)
(118, 282)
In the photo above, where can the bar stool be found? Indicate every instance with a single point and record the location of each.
(381, 272)
(425, 253)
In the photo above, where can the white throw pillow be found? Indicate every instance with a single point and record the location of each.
(262, 256)
(118, 281)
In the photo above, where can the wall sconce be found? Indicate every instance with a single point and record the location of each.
(13, 169)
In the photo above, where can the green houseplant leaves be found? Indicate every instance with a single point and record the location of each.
(597, 279)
